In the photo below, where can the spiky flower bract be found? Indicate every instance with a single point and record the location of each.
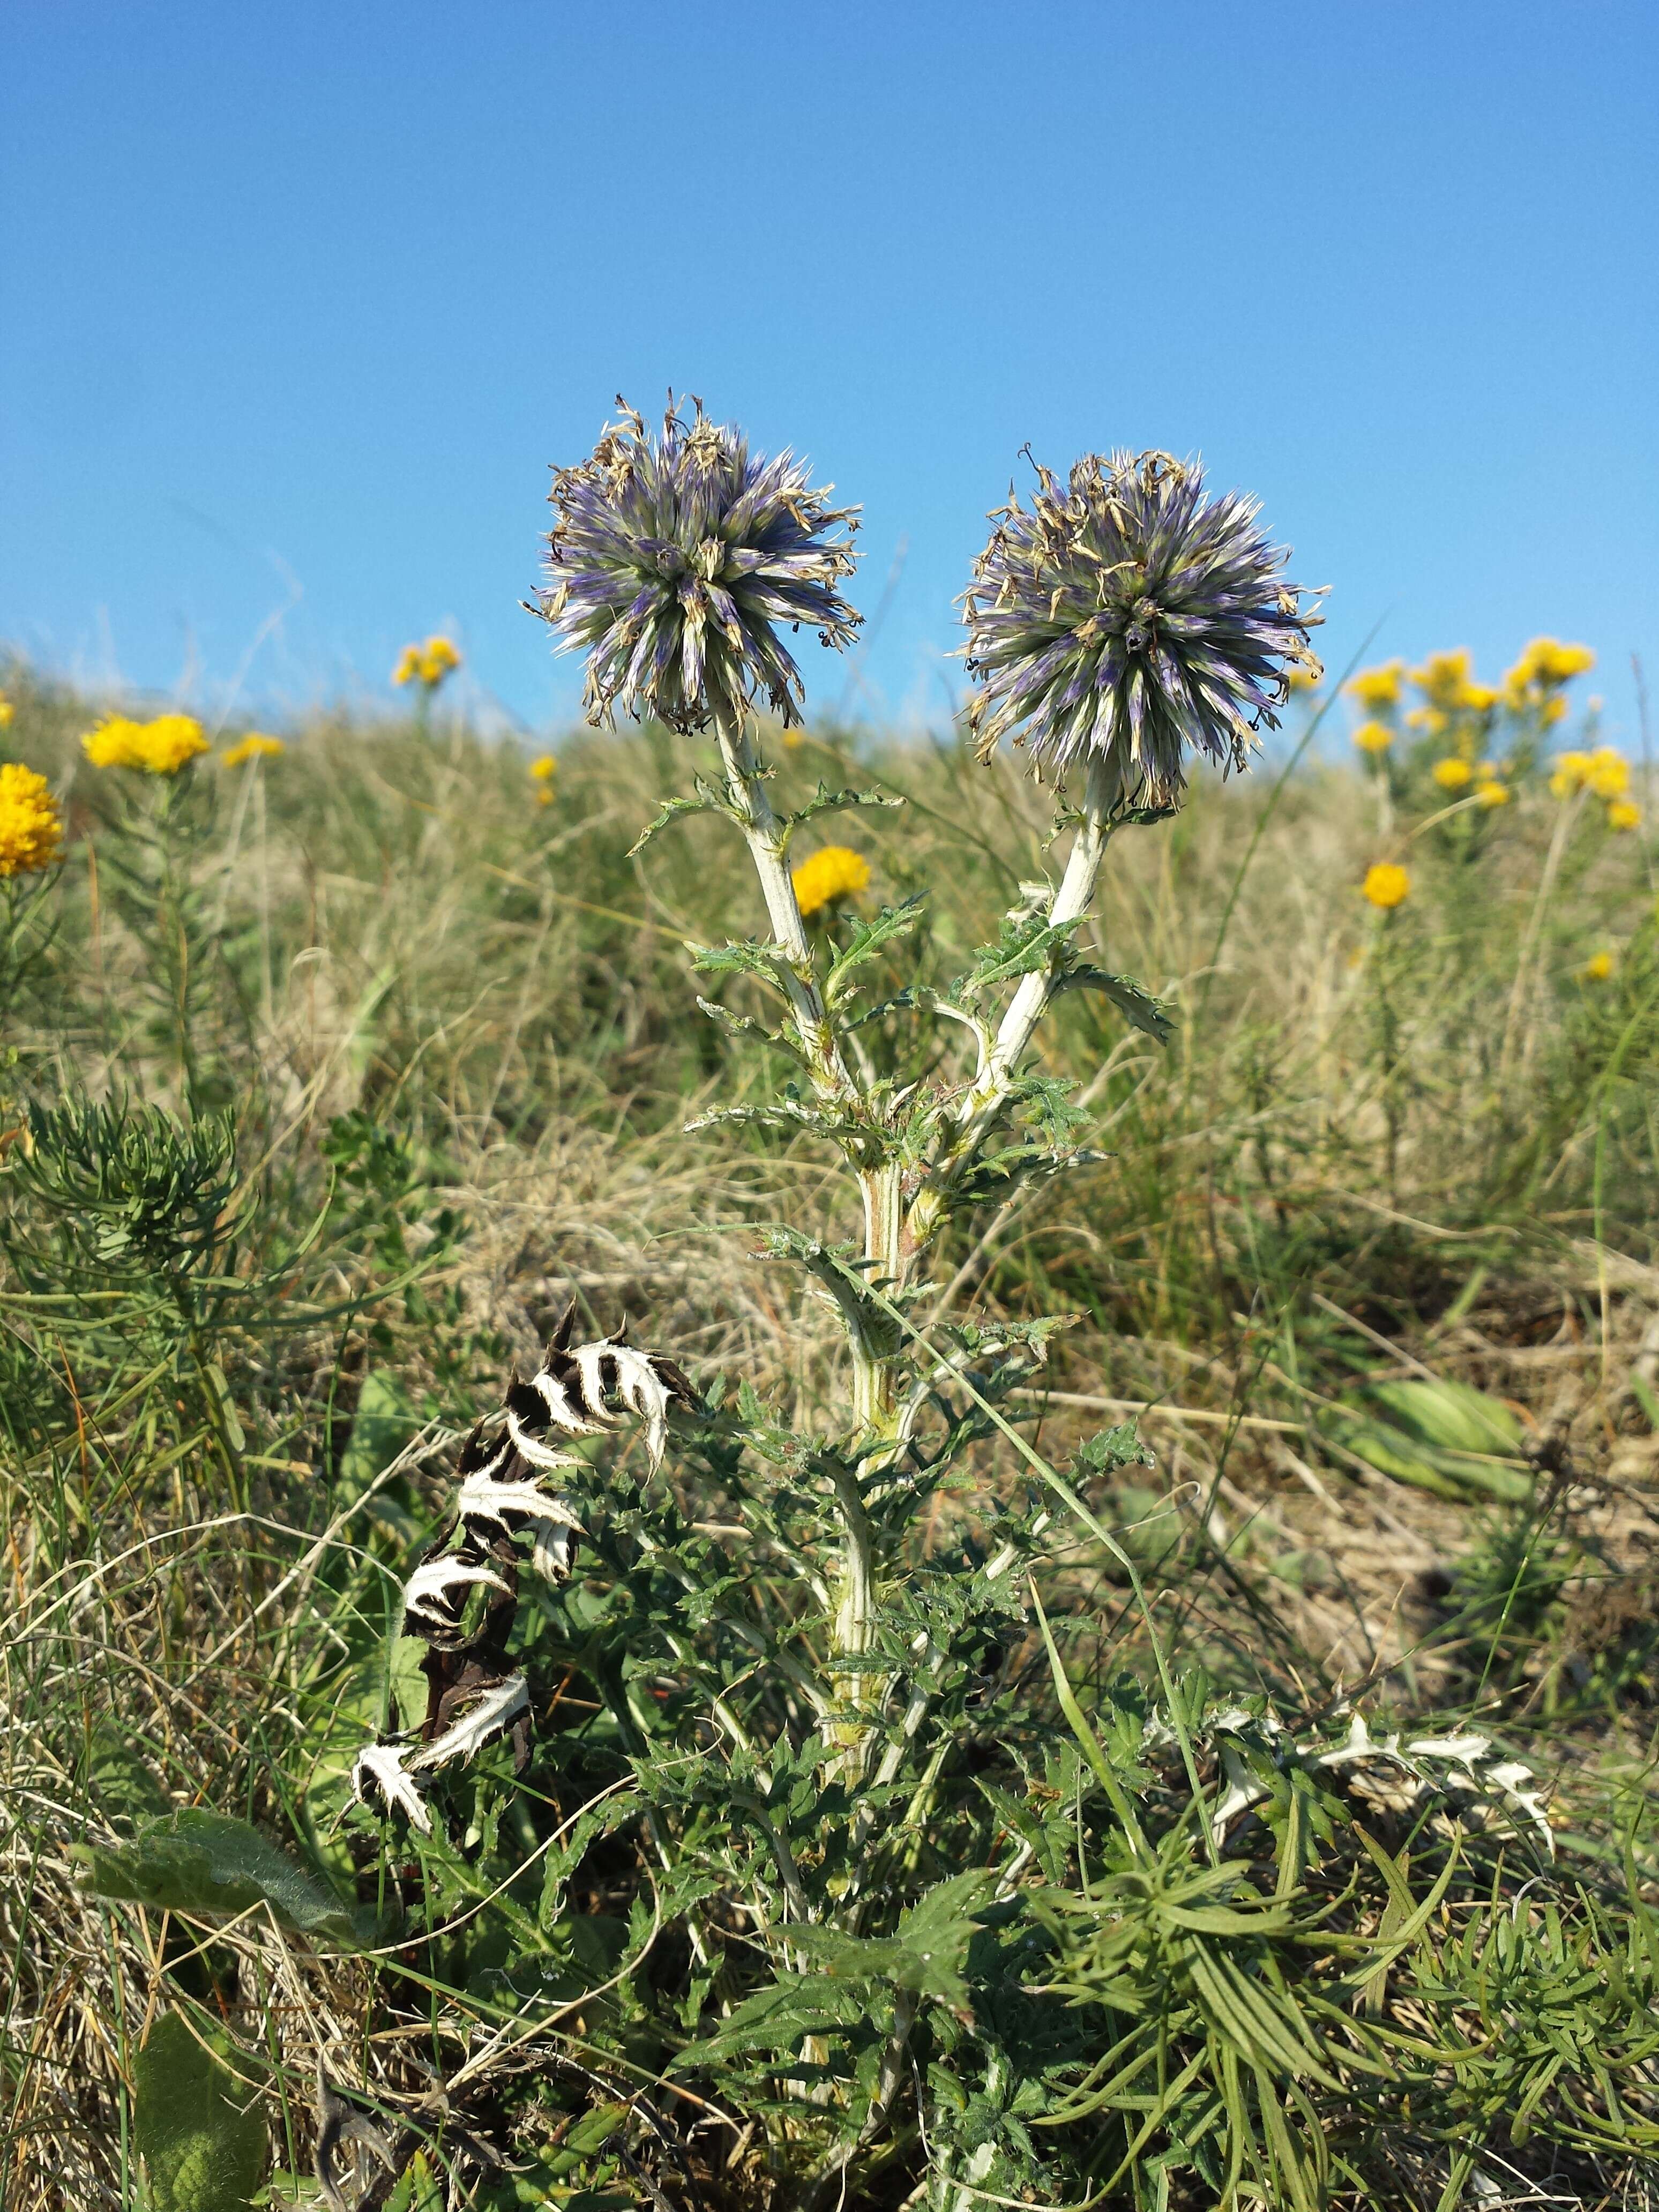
(673, 563)
(1129, 619)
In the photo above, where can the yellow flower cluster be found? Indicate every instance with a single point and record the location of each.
(1452, 774)
(1443, 678)
(7, 710)
(1387, 885)
(1373, 736)
(1606, 771)
(544, 771)
(158, 748)
(1597, 968)
(1546, 666)
(1379, 687)
(30, 828)
(832, 873)
(427, 664)
(256, 745)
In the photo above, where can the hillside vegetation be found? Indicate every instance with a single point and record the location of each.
(334, 1076)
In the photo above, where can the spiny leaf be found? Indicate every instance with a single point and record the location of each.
(1132, 1000)
(865, 939)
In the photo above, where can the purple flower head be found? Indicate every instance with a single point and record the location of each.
(674, 562)
(1128, 617)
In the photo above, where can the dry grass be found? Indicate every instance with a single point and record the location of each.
(386, 926)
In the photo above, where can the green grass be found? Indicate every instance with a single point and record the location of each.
(455, 1039)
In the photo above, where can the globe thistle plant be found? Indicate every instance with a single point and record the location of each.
(1129, 618)
(674, 562)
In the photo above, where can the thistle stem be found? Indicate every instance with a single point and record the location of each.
(768, 842)
(984, 1101)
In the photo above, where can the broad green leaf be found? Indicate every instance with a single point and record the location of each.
(197, 2124)
(208, 1863)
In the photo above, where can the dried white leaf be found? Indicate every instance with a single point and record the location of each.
(428, 1593)
(466, 1737)
(382, 1764)
(505, 1504)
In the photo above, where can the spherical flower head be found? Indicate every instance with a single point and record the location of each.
(1624, 814)
(255, 746)
(543, 774)
(1492, 792)
(675, 561)
(1598, 967)
(1452, 774)
(408, 669)
(1373, 736)
(828, 876)
(1387, 885)
(1379, 687)
(1129, 619)
(30, 828)
(160, 747)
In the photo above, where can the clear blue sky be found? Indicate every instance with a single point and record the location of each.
(300, 298)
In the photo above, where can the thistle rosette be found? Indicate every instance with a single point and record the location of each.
(675, 561)
(1129, 619)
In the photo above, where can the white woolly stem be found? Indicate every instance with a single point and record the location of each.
(985, 1099)
(768, 842)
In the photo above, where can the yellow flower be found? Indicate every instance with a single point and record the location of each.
(834, 873)
(1442, 676)
(30, 828)
(168, 742)
(427, 664)
(1300, 678)
(256, 745)
(7, 710)
(1432, 720)
(1552, 711)
(1491, 792)
(1547, 661)
(158, 748)
(114, 744)
(1477, 698)
(1572, 772)
(544, 767)
(1597, 968)
(1452, 774)
(1624, 814)
(439, 659)
(1373, 736)
(1386, 884)
(1609, 773)
(1379, 687)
